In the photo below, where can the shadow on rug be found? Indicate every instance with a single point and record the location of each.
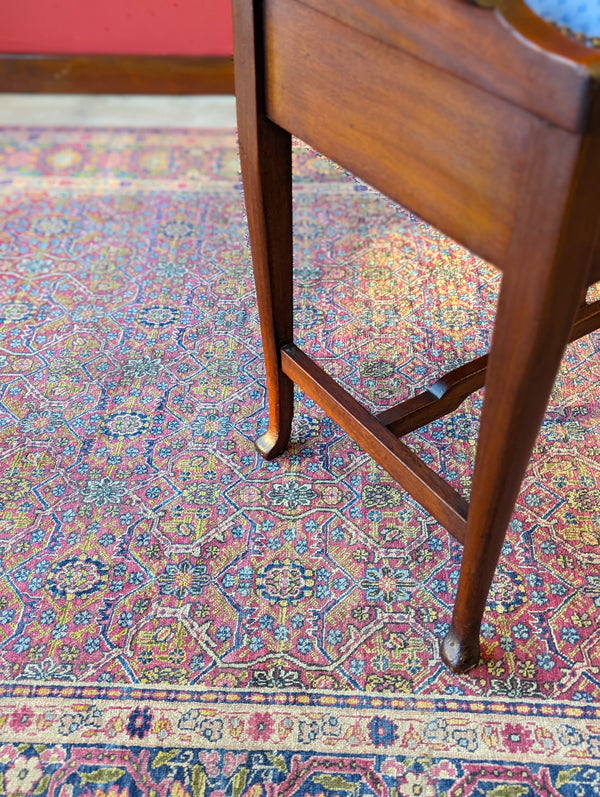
(178, 617)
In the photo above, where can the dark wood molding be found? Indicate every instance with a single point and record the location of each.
(116, 74)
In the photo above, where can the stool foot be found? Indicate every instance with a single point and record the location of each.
(460, 655)
(270, 444)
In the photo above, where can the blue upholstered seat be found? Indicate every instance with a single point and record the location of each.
(579, 16)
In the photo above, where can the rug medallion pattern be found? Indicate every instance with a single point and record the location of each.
(178, 617)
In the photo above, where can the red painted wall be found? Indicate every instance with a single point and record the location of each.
(131, 27)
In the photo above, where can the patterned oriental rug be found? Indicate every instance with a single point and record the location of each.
(178, 617)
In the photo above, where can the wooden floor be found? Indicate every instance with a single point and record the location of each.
(117, 110)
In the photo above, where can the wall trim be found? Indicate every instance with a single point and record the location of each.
(115, 74)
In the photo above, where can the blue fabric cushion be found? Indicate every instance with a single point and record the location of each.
(580, 16)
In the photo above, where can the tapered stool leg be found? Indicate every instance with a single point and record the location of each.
(522, 370)
(544, 282)
(265, 153)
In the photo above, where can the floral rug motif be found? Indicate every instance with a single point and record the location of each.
(179, 617)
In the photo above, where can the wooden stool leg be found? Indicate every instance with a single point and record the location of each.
(533, 322)
(266, 160)
(268, 191)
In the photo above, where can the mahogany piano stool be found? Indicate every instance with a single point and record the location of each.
(483, 120)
